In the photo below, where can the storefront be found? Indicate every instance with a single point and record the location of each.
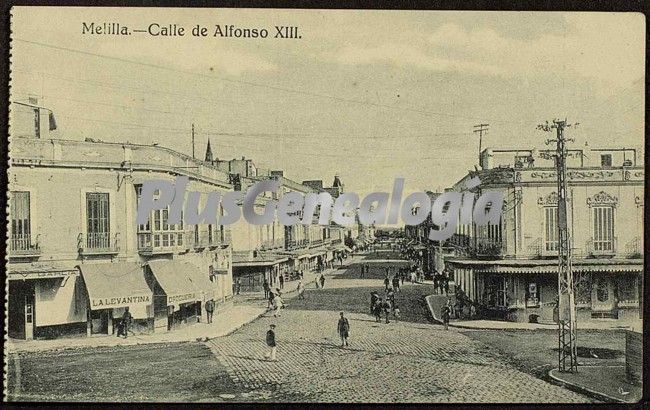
(45, 300)
(111, 288)
(179, 292)
(526, 290)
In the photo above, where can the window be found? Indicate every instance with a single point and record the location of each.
(97, 220)
(160, 233)
(532, 295)
(550, 229)
(603, 240)
(606, 160)
(20, 222)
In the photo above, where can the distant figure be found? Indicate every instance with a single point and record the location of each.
(322, 281)
(209, 309)
(396, 283)
(238, 285)
(344, 330)
(363, 271)
(386, 282)
(267, 288)
(270, 342)
(281, 281)
(395, 310)
(301, 290)
(373, 300)
(278, 304)
(127, 318)
(386, 307)
(446, 313)
(376, 309)
(270, 300)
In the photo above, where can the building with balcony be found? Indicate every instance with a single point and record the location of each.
(77, 258)
(511, 267)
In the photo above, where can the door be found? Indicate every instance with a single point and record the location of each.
(21, 309)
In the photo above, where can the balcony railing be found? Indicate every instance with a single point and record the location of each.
(468, 246)
(602, 247)
(98, 243)
(164, 242)
(276, 244)
(24, 246)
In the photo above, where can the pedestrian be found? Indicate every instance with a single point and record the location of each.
(270, 342)
(446, 284)
(396, 283)
(446, 313)
(377, 309)
(267, 288)
(363, 271)
(238, 286)
(278, 304)
(373, 300)
(402, 275)
(387, 307)
(386, 282)
(395, 310)
(344, 330)
(127, 318)
(301, 290)
(281, 281)
(209, 309)
(322, 281)
(270, 300)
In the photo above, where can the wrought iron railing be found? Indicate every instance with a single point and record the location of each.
(24, 245)
(98, 242)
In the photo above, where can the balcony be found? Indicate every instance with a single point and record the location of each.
(23, 246)
(98, 243)
(596, 248)
(476, 247)
(269, 245)
(164, 242)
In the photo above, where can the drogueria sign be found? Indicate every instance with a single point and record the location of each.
(376, 208)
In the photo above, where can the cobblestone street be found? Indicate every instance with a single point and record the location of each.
(409, 360)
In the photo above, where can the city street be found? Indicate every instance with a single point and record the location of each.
(409, 360)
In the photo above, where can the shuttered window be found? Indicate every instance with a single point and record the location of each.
(603, 217)
(20, 221)
(98, 220)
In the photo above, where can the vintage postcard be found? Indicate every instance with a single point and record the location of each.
(264, 205)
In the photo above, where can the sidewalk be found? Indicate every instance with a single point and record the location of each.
(245, 309)
(604, 382)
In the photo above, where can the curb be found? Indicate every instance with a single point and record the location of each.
(585, 390)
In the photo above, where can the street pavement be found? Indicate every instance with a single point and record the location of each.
(409, 360)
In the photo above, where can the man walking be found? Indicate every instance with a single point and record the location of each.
(344, 330)
(238, 285)
(267, 288)
(396, 283)
(386, 282)
(322, 281)
(281, 281)
(373, 300)
(387, 308)
(209, 309)
(363, 271)
(301, 290)
(270, 342)
(377, 309)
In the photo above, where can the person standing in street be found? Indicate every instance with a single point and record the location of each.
(377, 309)
(238, 286)
(267, 288)
(344, 330)
(270, 300)
(281, 281)
(322, 280)
(373, 300)
(363, 271)
(446, 314)
(127, 318)
(396, 283)
(301, 290)
(270, 342)
(209, 309)
(386, 308)
(386, 282)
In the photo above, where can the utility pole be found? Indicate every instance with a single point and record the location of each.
(567, 315)
(193, 156)
(480, 128)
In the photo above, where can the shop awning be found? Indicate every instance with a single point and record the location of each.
(550, 266)
(175, 279)
(115, 285)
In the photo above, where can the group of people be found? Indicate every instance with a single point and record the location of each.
(384, 305)
(441, 282)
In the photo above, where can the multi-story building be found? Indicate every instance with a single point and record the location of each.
(77, 258)
(511, 267)
(266, 252)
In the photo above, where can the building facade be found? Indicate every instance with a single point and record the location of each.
(77, 258)
(510, 268)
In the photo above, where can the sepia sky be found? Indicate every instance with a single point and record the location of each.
(370, 95)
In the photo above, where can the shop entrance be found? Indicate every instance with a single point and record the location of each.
(21, 309)
(99, 321)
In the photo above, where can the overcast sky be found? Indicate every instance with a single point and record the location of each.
(370, 95)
